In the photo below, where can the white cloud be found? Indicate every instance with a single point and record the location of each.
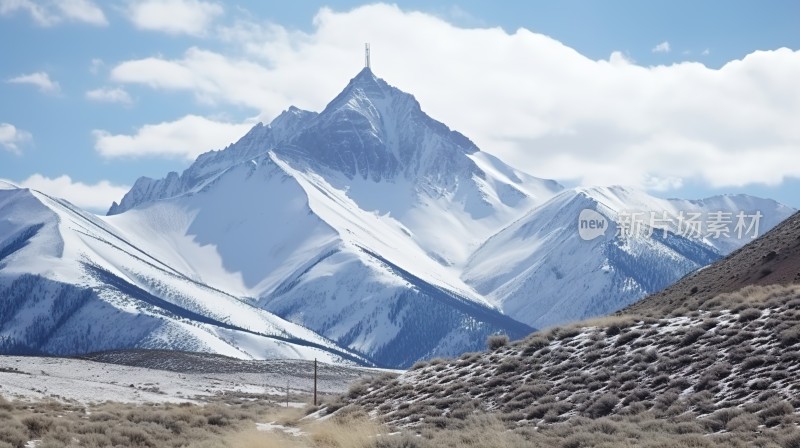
(11, 137)
(39, 79)
(706, 52)
(663, 47)
(82, 11)
(187, 137)
(211, 76)
(191, 17)
(525, 97)
(109, 95)
(95, 197)
(49, 13)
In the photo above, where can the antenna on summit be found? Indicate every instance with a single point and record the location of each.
(366, 56)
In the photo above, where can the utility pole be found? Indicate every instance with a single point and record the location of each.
(315, 381)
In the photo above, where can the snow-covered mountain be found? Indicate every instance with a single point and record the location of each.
(72, 283)
(333, 220)
(368, 229)
(542, 272)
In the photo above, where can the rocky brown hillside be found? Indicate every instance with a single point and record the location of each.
(772, 259)
(712, 361)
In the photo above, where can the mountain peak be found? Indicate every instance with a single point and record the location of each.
(363, 91)
(373, 130)
(365, 75)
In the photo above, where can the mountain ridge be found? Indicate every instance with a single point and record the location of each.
(370, 226)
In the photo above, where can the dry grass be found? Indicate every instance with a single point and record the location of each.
(344, 430)
(347, 432)
(489, 430)
(120, 425)
(70, 424)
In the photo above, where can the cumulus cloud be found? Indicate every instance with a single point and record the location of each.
(192, 17)
(522, 96)
(49, 13)
(212, 77)
(95, 197)
(187, 137)
(109, 95)
(11, 137)
(39, 79)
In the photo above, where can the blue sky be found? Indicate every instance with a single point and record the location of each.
(683, 98)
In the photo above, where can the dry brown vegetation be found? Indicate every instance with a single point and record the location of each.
(722, 374)
(71, 424)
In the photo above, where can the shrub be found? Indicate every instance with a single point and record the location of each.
(692, 335)
(790, 336)
(725, 416)
(437, 361)
(509, 365)
(13, 435)
(399, 441)
(497, 341)
(566, 333)
(624, 338)
(602, 406)
(536, 342)
(650, 355)
(37, 425)
(358, 389)
(777, 409)
(749, 314)
(743, 423)
(419, 365)
(790, 441)
(753, 362)
(660, 379)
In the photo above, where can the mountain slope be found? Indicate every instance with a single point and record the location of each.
(70, 282)
(374, 142)
(541, 271)
(297, 247)
(772, 259)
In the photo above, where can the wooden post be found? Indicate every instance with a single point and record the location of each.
(315, 381)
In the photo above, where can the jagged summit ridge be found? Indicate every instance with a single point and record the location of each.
(371, 130)
(375, 131)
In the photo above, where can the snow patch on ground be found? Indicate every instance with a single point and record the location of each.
(88, 381)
